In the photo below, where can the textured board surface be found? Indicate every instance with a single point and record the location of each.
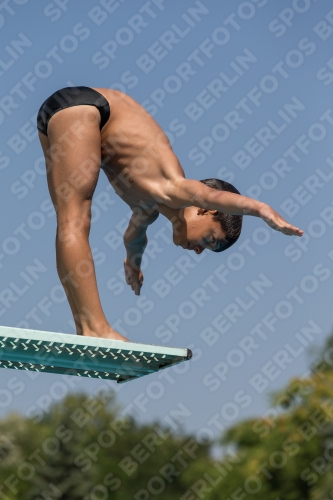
(83, 356)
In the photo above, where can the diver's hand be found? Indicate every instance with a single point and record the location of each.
(134, 277)
(275, 221)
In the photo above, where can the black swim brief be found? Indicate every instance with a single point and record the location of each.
(68, 97)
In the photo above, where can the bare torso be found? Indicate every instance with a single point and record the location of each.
(137, 156)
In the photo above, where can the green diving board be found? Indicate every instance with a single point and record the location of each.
(83, 356)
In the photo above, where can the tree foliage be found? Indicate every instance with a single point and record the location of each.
(84, 449)
(288, 456)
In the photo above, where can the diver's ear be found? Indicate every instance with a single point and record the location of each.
(204, 211)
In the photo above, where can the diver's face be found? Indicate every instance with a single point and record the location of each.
(197, 230)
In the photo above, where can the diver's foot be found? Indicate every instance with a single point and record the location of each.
(108, 333)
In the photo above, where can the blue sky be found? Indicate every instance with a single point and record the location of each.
(243, 90)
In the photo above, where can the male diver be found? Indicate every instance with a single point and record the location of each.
(83, 130)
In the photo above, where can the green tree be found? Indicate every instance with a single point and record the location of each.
(83, 449)
(289, 456)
